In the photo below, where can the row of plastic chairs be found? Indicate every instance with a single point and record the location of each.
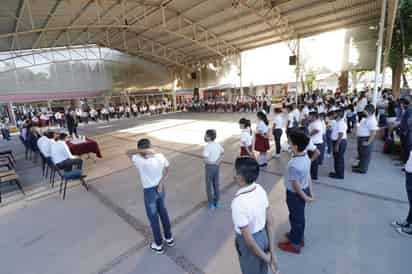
(49, 170)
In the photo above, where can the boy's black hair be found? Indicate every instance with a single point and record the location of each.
(144, 144)
(211, 134)
(49, 134)
(62, 136)
(370, 109)
(300, 139)
(314, 114)
(278, 110)
(248, 168)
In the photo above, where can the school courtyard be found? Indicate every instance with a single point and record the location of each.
(105, 230)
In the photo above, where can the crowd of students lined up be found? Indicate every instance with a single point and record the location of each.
(86, 113)
(318, 128)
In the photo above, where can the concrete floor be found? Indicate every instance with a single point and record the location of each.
(105, 230)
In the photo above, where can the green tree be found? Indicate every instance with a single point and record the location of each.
(310, 79)
(401, 49)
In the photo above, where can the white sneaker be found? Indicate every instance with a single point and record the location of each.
(159, 249)
(277, 156)
(405, 231)
(170, 242)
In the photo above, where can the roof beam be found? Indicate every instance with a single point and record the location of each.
(151, 48)
(272, 17)
(46, 23)
(305, 31)
(338, 13)
(226, 21)
(222, 45)
(72, 22)
(175, 17)
(19, 14)
(314, 32)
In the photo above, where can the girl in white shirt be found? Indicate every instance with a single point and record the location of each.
(262, 138)
(246, 139)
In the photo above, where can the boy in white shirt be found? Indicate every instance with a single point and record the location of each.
(316, 133)
(153, 169)
(339, 136)
(213, 155)
(253, 222)
(277, 130)
(366, 135)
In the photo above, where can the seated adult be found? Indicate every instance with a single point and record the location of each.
(45, 142)
(61, 155)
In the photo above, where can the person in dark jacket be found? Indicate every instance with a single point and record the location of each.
(71, 122)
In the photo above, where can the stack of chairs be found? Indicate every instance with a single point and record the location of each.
(9, 175)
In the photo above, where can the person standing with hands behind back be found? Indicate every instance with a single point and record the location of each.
(213, 155)
(252, 220)
(299, 192)
(153, 169)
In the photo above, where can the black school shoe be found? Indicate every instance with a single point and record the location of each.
(358, 170)
(335, 176)
(400, 224)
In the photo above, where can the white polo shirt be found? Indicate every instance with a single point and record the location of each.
(246, 138)
(362, 104)
(311, 147)
(44, 144)
(339, 127)
(150, 169)
(367, 126)
(318, 137)
(278, 121)
(60, 152)
(291, 120)
(249, 208)
(296, 114)
(212, 152)
(262, 128)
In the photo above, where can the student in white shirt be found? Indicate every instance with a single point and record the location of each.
(153, 169)
(338, 136)
(293, 119)
(246, 139)
(213, 155)
(361, 104)
(262, 138)
(59, 119)
(61, 155)
(316, 133)
(277, 130)
(45, 142)
(252, 219)
(366, 135)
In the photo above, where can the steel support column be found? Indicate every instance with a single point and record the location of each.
(379, 52)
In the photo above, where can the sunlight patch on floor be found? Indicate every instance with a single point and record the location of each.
(193, 133)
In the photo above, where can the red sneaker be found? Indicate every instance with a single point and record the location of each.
(302, 244)
(288, 247)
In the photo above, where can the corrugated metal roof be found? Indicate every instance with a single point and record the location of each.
(174, 32)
